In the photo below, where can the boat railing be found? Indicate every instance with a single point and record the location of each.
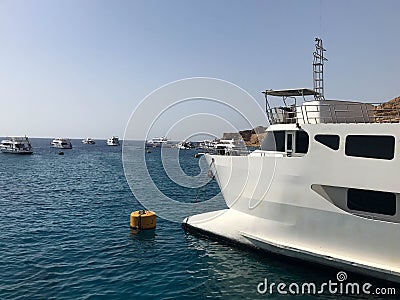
(235, 152)
(17, 138)
(339, 112)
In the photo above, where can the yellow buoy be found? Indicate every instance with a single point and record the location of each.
(143, 219)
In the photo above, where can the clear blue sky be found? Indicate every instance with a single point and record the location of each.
(78, 68)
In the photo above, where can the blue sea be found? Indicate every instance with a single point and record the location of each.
(65, 234)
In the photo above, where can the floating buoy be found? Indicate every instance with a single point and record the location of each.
(143, 219)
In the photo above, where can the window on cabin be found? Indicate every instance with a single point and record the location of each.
(274, 141)
(329, 140)
(302, 141)
(370, 146)
(289, 142)
(371, 201)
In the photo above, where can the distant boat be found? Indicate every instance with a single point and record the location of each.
(88, 141)
(16, 145)
(157, 142)
(230, 147)
(184, 145)
(63, 143)
(209, 145)
(113, 141)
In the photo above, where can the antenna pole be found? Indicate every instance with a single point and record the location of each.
(318, 69)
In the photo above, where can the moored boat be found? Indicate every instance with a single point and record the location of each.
(63, 143)
(16, 145)
(113, 141)
(88, 141)
(185, 145)
(230, 147)
(322, 188)
(157, 142)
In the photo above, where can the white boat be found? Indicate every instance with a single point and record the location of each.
(323, 187)
(209, 145)
(62, 143)
(16, 145)
(113, 141)
(184, 145)
(230, 147)
(88, 141)
(157, 142)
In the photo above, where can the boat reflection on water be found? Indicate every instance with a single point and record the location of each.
(142, 235)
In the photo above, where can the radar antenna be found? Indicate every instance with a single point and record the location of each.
(318, 69)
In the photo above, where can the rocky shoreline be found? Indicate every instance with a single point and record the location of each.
(251, 137)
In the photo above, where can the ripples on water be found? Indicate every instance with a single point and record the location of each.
(65, 235)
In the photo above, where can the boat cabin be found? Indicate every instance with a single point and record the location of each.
(305, 106)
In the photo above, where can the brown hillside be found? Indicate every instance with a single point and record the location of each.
(251, 137)
(388, 112)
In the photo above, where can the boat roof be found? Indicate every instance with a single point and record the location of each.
(16, 138)
(291, 92)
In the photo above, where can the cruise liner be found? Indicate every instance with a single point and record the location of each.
(322, 188)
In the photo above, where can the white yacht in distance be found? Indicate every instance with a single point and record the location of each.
(157, 142)
(230, 147)
(62, 143)
(185, 145)
(209, 145)
(113, 141)
(88, 141)
(16, 145)
(323, 187)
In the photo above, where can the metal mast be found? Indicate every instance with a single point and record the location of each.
(318, 69)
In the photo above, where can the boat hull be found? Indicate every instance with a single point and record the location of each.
(16, 152)
(283, 204)
(232, 226)
(61, 147)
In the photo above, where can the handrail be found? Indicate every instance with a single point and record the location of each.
(334, 113)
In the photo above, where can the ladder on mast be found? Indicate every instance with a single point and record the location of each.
(318, 69)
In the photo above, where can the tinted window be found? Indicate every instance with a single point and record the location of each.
(289, 142)
(371, 201)
(370, 146)
(329, 140)
(274, 141)
(301, 141)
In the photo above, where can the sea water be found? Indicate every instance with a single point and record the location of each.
(64, 222)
